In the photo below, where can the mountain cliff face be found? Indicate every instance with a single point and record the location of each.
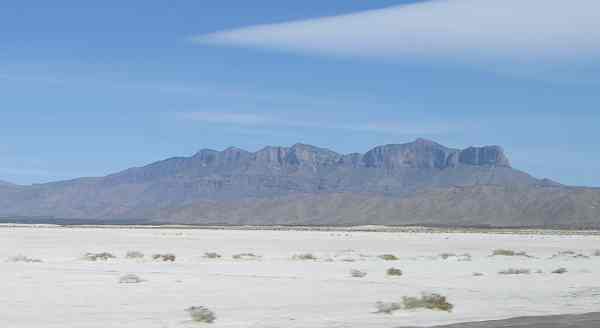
(417, 182)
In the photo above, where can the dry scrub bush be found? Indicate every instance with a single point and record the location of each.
(464, 257)
(130, 279)
(357, 273)
(134, 255)
(508, 252)
(394, 272)
(513, 271)
(212, 255)
(388, 257)
(304, 257)
(461, 257)
(427, 301)
(569, 254)
(432, 301)
(387, 307)
(98, 256)
(246, 256)
(349, 255)
(23, 259)
(560, 271)
(164, 257)
(201, 314)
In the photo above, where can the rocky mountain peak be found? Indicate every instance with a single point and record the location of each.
(272, 155)
(421, 153)
(425, 142)
(311, 155)
(481, 156)
(234, 154)
(206, 156)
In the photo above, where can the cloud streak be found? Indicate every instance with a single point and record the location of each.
(462, 29)
(267, 121)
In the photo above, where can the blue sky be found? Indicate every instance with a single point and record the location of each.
(87, 89)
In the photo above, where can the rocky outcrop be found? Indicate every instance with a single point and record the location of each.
(490, 155)
(272, 156)
(311, 156)
(427, 154)
(422, 154)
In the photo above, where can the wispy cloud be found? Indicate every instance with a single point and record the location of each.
(249, 94)
(269, 121)
(513, 29)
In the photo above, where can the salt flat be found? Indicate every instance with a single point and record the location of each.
(275, 291)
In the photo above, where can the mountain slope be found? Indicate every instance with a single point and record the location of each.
(457, 206)
(417, 182)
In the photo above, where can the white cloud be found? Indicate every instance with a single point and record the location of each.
(259, 120)
(463, 29)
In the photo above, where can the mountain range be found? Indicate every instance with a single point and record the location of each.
(416, 183)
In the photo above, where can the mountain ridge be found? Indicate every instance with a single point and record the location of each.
(6, 183)
(388, 155)
(304, 184)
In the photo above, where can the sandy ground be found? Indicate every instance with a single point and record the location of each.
(276, 291)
